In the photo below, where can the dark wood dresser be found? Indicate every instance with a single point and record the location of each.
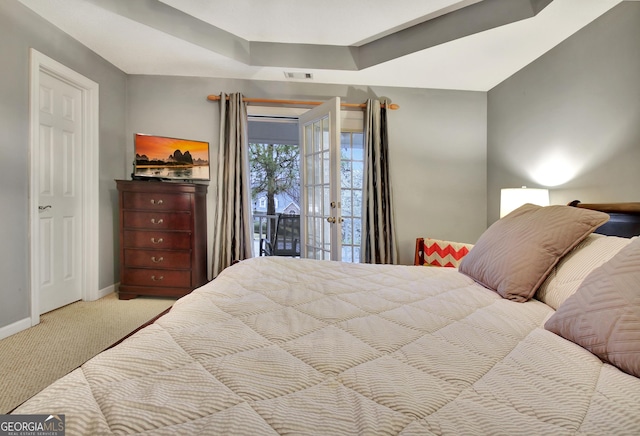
(163, 238)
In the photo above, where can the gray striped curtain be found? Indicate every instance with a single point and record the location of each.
(233, 221)
(378, 227)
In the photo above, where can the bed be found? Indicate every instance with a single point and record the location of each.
(294, 346)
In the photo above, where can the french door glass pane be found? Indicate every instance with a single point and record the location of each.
(311, 200)
(325, 134)
(317, 137)
(310, 232)
(318, 199)
(357, 172)
(345, 146)
(327, 197)
(358, 146)
(346, 202)
(357, 232)
(317, 166)
(351, 175)
(326, 165)
(327, 241)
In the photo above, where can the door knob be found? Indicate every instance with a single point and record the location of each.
(331, 219)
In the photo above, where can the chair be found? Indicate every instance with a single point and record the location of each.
(286, 241)
(436, 252)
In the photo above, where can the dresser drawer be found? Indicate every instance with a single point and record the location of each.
(157, 240)
(156, 220)
(157, 259)
(155, 201)
(157, 277)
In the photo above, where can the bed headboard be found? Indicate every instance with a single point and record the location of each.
(624, 221)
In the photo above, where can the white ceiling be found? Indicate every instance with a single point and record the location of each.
(161, 37)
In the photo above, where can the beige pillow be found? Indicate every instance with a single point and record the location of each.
(515, 254)
(603, 315)
(576, 265)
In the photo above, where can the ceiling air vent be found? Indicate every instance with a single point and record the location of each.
(298, 76)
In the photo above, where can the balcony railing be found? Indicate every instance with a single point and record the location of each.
(264, 226)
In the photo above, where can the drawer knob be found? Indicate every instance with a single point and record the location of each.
(155, 221)
(157, 241)
(157, 279)
(158, 260)
(154, 201)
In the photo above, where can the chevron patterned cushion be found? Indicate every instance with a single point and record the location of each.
(603, 315)
(444, 253)
(516, 254)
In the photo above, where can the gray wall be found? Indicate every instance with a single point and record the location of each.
(437, 140)
(21, 29)
(571, 119)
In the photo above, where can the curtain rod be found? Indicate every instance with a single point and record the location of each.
(392, 106)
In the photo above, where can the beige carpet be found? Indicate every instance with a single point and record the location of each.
(65, 339)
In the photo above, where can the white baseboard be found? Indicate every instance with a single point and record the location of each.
(108, 290)
(14, 328)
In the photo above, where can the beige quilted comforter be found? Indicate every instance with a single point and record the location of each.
(290, 346)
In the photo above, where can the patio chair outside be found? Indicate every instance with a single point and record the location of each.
(286, 241)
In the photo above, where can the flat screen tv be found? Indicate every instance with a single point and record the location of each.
(164, 158)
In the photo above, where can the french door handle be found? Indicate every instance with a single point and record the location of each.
(48, 206)
(331, 219)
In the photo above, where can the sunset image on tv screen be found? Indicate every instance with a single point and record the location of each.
(171, 158)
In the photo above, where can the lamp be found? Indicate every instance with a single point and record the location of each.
(513, 198)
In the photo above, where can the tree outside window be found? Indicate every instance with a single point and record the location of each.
(275, 171)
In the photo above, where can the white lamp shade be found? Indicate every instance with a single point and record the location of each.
(513, 198)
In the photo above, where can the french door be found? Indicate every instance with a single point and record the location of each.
(320, 180)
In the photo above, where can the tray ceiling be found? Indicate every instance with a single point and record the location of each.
(447, 44)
